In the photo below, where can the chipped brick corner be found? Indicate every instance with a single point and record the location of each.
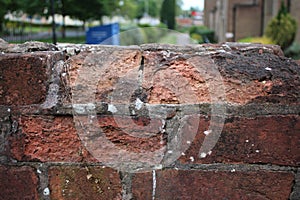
(43, 154)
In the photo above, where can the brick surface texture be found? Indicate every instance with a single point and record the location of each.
(251, 140)
(24, 75)
(181, 184)
(18, 183)
(121, 123)
(84, 183)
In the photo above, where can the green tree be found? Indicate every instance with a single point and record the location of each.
(282, 28)
(63, 7)
(178, 7)
(111, 6)
(128, 8)
(82, 10)
(151, 7)
(34, 7)
(6, 7)
(168, 13)
(3, 11)
(90, 9)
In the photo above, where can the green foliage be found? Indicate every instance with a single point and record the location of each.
(5, 7)
(162, 25)
(203, 34)
(154, 34)
(132, 37)
(142, 35)
(128, 9)
(167, 13)
(87, 10)
(93, 9)
(151, 7)
(178, 8)
(168, 39)
(282, 28)
(32, 7)
(261, 40)
(282, 11)
(197, 38)
(183, 29)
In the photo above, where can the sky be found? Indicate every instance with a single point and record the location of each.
(193, 3)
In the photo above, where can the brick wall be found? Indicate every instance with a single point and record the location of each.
(148, 122)
(293, 9)
(247, 25)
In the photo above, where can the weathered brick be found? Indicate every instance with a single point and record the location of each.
(5, 129)
(243, 140)
(133, 134)
(18, 183)
(295, 194)
(56, 138)
(192, 184)
(30, 46)
(170, 76)
(269, 139)
(169, 81)
(94, 75)
(142, 186)
(23, 75)
(252, 76)
(42, 138)
(71, 182)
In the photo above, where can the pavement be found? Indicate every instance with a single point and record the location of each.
(184, 39)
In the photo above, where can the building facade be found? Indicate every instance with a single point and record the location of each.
(236, 19)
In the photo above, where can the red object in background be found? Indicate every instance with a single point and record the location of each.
(194, 13)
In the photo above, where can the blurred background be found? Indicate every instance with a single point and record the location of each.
(148, 21)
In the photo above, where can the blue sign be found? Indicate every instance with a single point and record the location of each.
(107, 34)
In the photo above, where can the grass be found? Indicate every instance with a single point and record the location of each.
(183, 29)
(35, 29)
(262, 40)
(75, 40)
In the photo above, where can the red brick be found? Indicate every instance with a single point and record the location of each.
(142, 186)
(243, 140)
(5, 129)
(56, 138)
(100, 72)
(18, 183)
(261, 78)
(24, 77)
(47, 139)
(247, 77)
(133, 134)
(80, 183)
(176, 82)
(272, 139)
(192, 184)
